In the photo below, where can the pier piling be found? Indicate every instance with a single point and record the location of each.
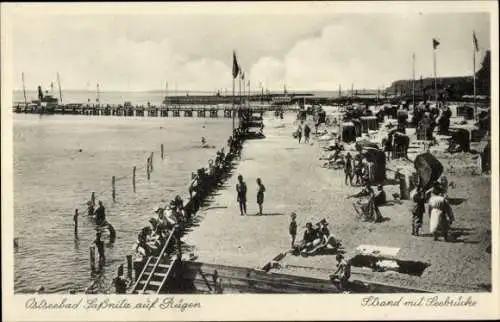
(161, 148)
(151, 161)
(129, 267)
(148, 164)
(113, 180)
(92, 258)
(133, 177)
(75, 219)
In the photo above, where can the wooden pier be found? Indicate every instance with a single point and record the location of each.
(202, 111)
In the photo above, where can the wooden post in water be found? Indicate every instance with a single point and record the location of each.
(113, 180)
(161, 148)
(75, 219)
(92, 258)
(151, 161)
(148, 164)
(129, 267)
(133, 178)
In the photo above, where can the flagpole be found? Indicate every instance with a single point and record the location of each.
(234, 114)
(24, 91)
(413, 83)
(474, 79)
(59, 86)
(435, 77)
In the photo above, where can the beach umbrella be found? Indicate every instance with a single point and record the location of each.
(428, 168)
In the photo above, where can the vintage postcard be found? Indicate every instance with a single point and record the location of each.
(249, 161)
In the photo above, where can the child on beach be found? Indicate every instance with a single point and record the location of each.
(299, 132)
(307, 132)
(260, 195)
(292, 229)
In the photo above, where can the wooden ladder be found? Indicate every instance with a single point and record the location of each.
(156, 271)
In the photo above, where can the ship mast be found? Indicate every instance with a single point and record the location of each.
(97, 94)
(24, 90)
(59, 85)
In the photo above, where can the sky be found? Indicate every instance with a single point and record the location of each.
(318, 51)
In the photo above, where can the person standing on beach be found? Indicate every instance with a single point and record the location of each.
(417, 210)
(260, 195)
(292, 229)
(241, 190)
(307, 132)
(299, 132)
(348, 168)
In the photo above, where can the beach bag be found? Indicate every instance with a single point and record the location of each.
(428, 169)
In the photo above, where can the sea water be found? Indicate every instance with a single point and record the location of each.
(59, 160)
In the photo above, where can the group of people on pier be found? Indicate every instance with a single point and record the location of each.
(171, 220)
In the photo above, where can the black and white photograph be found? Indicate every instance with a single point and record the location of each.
(176, 152)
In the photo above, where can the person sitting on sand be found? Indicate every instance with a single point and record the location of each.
(310, 239)
(203, 141)
(328, 238)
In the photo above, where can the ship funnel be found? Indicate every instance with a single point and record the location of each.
(40, 93)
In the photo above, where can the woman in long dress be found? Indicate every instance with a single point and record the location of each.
(441, 214)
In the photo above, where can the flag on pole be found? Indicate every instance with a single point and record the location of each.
(435, 43)
(236, 67)
(474, 39)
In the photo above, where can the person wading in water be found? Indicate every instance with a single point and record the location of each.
(260, 195)
(100, 214)
(100, 247)
(241, 189)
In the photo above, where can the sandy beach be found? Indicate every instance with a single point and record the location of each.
(295, 181)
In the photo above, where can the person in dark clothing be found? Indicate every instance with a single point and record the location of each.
(100, 214)
(307, 133)
(299, 132)
(309, 237)
(260, 195)
(348, 168)
(75, 220)
(292, 229)
(378, 199)
(100, 247)
(119, 282)
(241, 190)
(417, 210)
